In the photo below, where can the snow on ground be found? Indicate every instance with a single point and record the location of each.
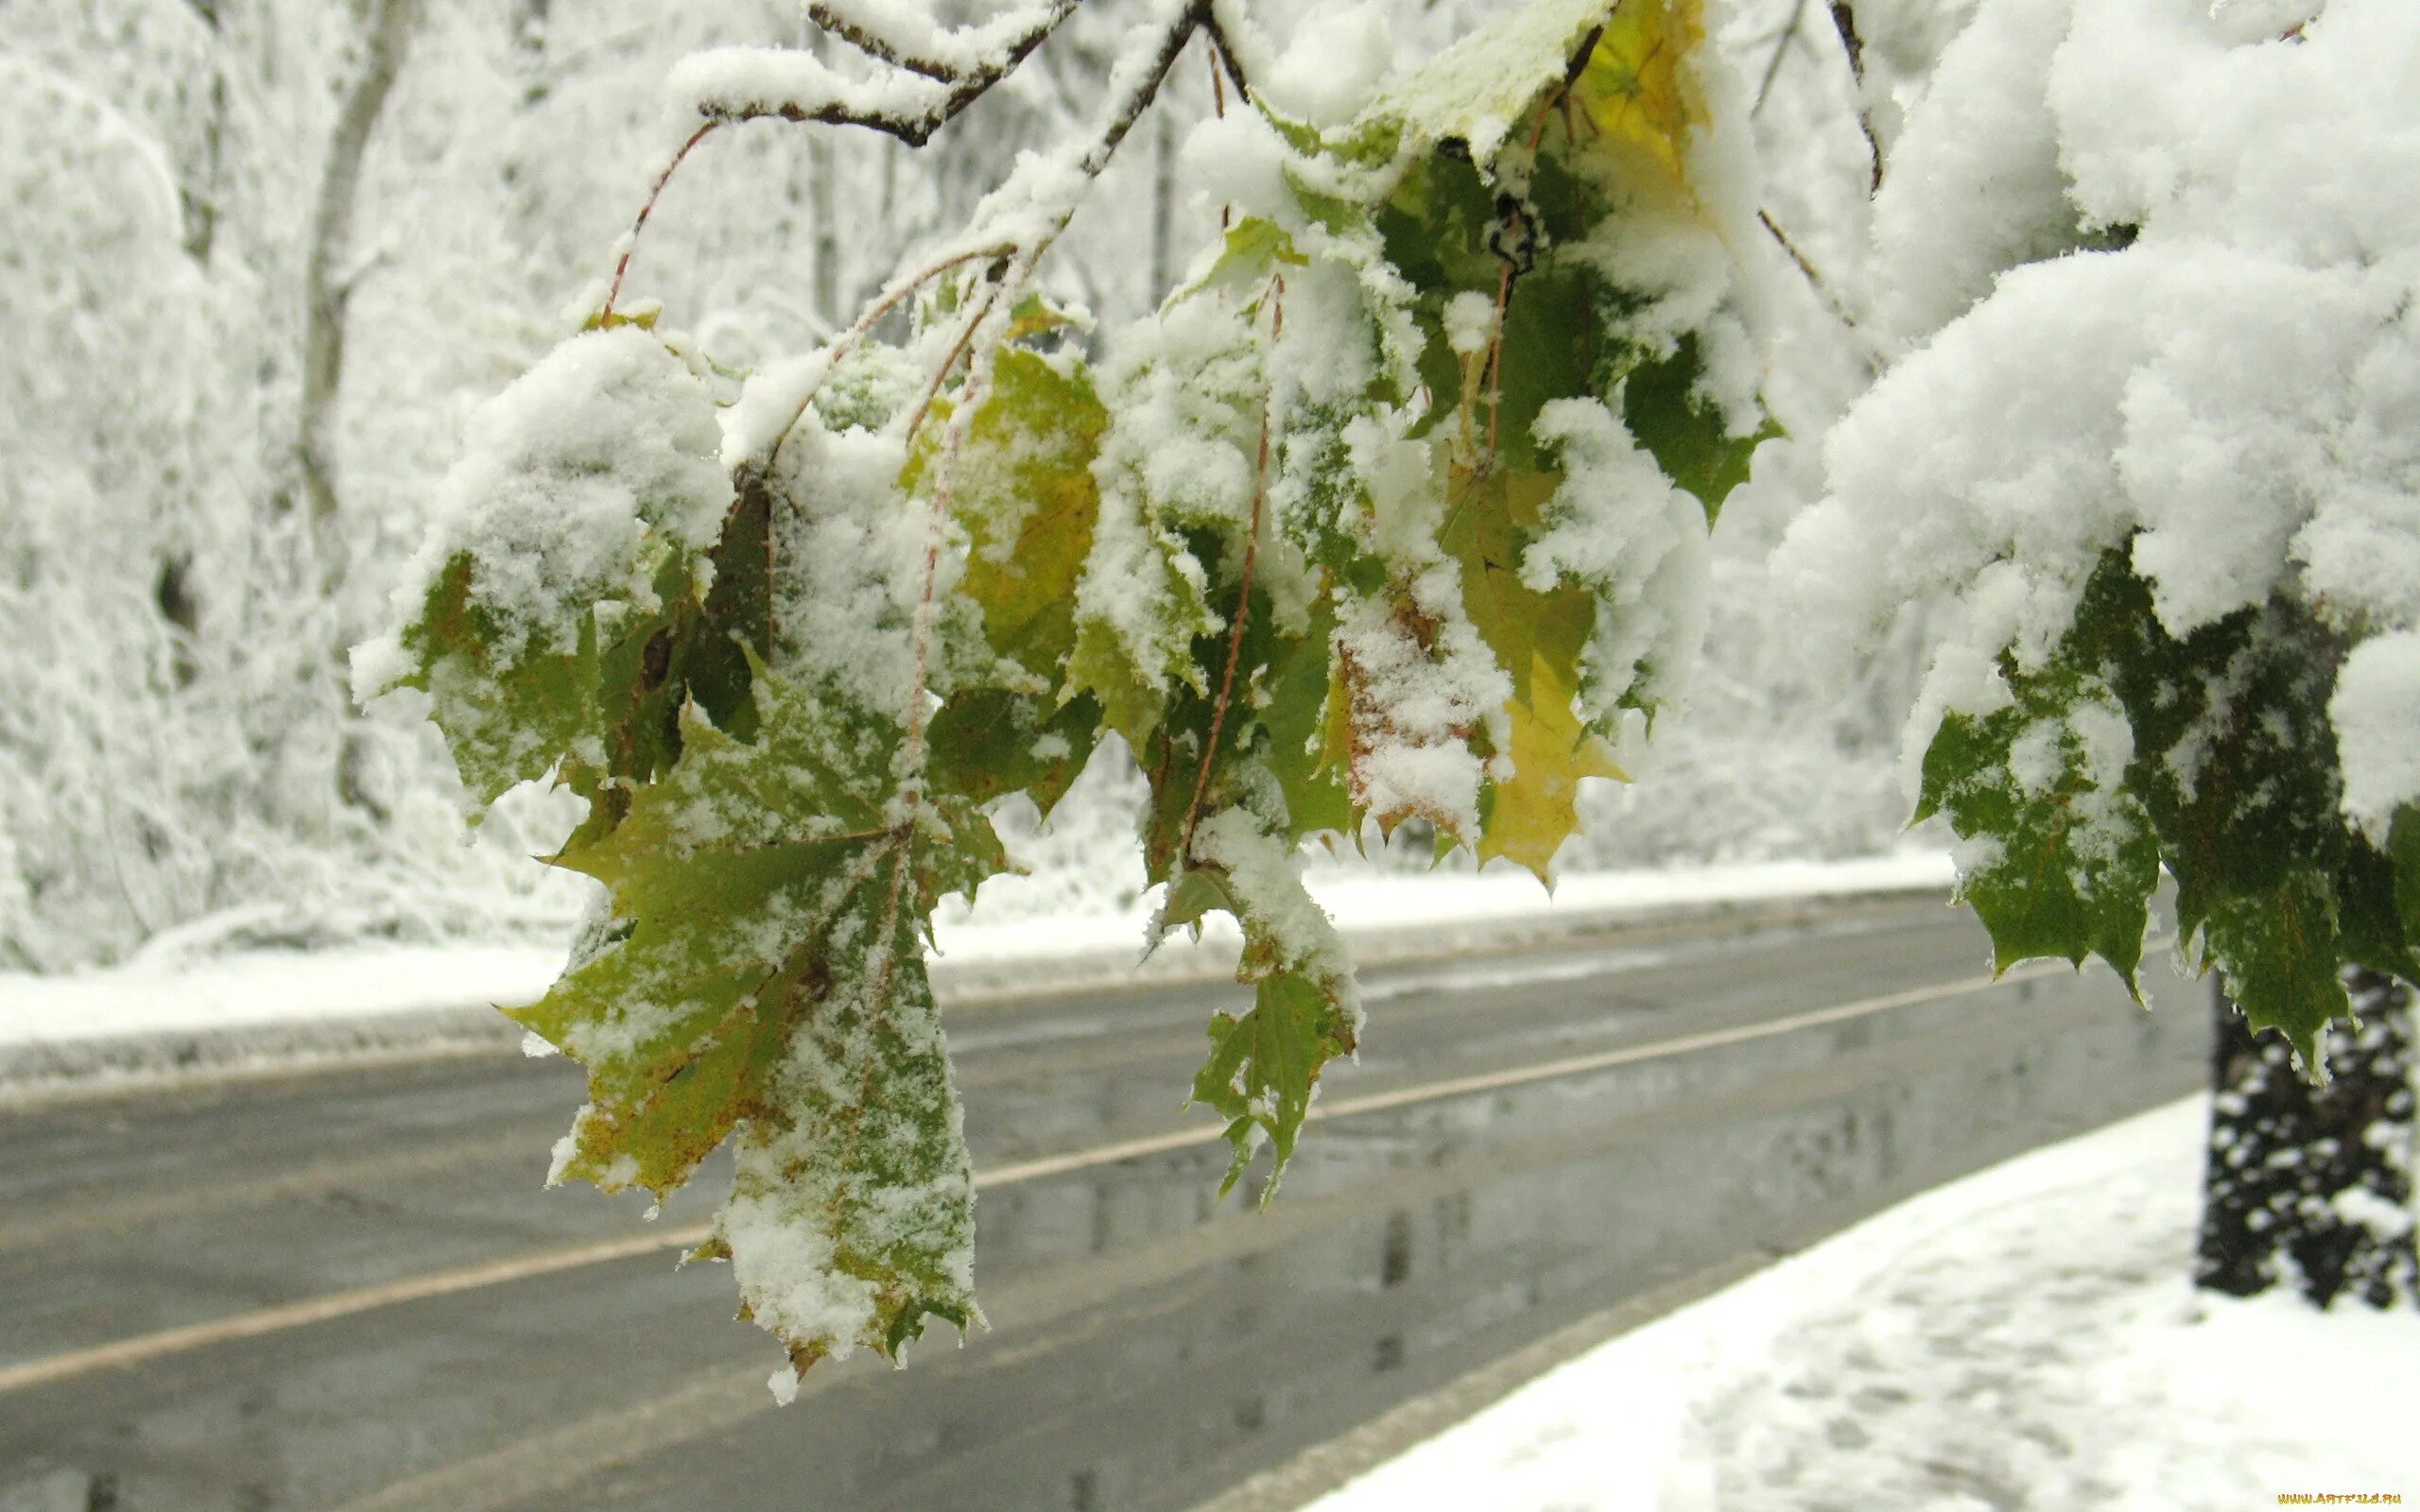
(2025, 1338)
(284, 988)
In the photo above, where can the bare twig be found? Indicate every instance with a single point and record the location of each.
(1223, 54)
(1822, 288)
(1844, 22)
(1788, 35)
(895, 294)
(655, 192)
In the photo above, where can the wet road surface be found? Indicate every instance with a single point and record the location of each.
(347, 1289)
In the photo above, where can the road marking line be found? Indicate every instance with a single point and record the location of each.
(321, 1309)
(148, 1347)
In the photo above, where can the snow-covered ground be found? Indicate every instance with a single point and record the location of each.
(995, 938)
(2021, 1339)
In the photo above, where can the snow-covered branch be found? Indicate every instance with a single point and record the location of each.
(905, 37)
(930, 75)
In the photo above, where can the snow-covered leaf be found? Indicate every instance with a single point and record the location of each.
(763, 977)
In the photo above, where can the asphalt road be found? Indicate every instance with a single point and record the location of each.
(348, 1290)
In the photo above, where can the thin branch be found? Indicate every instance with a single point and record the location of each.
(1822, 288)
(899, 290)
(1781, 50)
(622, 264)
(961, 87)
(888, 50)
(1225, 55)
(1844, 22)
(965, 338)
(1243, 594)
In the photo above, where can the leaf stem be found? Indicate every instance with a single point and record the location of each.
(622, 264)
(1243, 594)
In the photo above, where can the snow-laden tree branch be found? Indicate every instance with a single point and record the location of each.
(1395, 510)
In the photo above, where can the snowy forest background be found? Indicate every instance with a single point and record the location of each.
(261, 258)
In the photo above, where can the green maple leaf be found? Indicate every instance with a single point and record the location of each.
(513, 712)
(573, 652)
(2232, 785)
(767, 983)
(1022, 488)
(1264, 1063)
(2076, 858)
(1304, 699)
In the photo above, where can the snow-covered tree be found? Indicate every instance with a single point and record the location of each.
(2145, 271)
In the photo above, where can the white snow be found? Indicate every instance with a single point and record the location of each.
(269, 987)
(1337, 61)
(736, 82)
(564, 476)
(909, 27)
(2025, 1338)
(1615, 525)
(2376, 714)
(2229, 395)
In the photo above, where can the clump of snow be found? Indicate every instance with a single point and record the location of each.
(1974, 185)
(1470, 322)
(909, 27)
(1618, 525)
(2377, 714)
(2226, 391)
(1334, 63)
(2025, 1337)
(565, 474)
(783, 1264)
(1265, 873)
(849, 551)
(1420, 680)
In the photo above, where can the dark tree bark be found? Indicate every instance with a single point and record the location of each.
(2310, 1187)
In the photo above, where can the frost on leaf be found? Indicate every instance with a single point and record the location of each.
(764, 980)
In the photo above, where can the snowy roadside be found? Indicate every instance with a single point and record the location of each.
(2024, 1338)
(147, 1022)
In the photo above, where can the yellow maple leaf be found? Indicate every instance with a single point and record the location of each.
(1537, 808)
(1640, 90)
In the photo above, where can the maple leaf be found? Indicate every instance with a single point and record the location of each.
(764, 978)
(1264, 1063)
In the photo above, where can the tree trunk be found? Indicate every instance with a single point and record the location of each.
(1164, 146)
(328, 278)
(823, 191)
(2310, 1187)
(198, 186)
